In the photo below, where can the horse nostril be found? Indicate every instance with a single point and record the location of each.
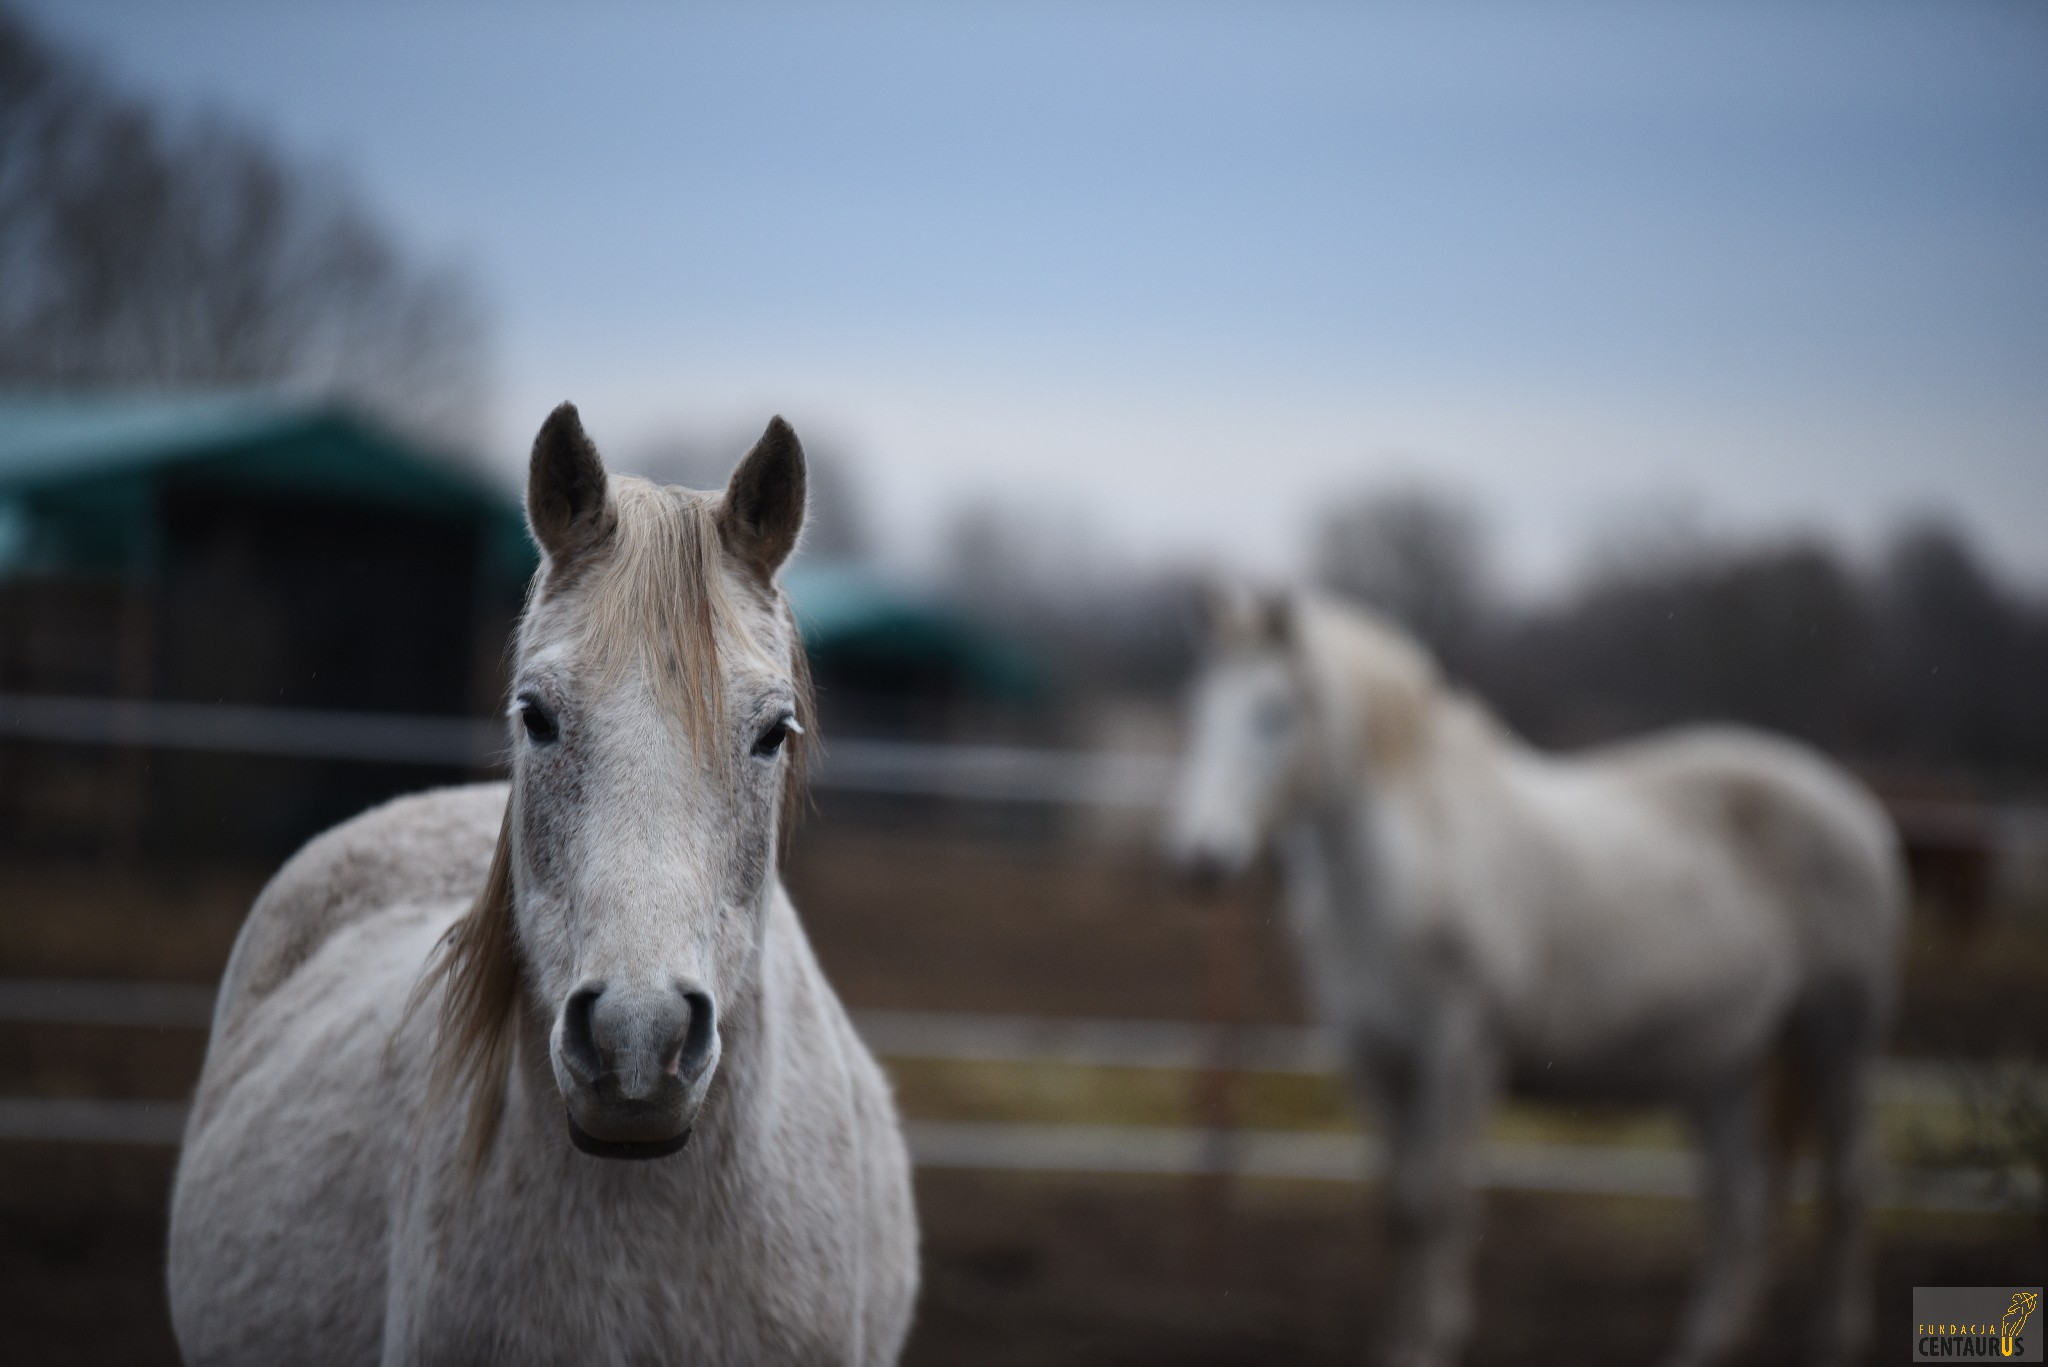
(698, 1034)
(1204, 869)
(579, 1046)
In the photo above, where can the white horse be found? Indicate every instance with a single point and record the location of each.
(601, 962)
(1658, 920)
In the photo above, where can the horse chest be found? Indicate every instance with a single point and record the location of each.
(1369, 961)
(750, 1275)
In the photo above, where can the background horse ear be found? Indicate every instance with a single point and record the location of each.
(1241, 618)
(1276, 619)
(568, 496)
(764, 503)
(1225, 610)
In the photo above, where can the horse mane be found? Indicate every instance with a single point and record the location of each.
(654, 599)
(1372, 667)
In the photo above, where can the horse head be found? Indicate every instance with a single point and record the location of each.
(659, 705)
(1248, 733)
(1299, 700)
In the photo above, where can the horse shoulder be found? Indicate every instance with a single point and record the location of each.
(424, 848)
(281, 1205)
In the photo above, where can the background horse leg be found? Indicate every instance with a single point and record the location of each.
(1848, 1172)
(1837, 1057)
(1737, 1194)
(1435, 1104)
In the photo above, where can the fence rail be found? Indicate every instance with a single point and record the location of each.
(973, 773)
(976, 1037)
(1566, 1167)
(293, 732)
(986, 773)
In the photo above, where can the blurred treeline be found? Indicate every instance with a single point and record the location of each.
(1918, 662)
(145, 250)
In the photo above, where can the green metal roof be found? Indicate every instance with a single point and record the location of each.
(106, 450)
(846, 607)
(49, 440)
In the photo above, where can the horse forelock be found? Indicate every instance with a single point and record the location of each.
(660, 602)
(657, 601)
(666, 599)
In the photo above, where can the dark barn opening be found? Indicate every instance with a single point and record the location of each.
(236, 554)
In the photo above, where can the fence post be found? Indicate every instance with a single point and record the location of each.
(1217, 1082)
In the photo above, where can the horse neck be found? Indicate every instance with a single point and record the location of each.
(1356, 807)
(1342, 827)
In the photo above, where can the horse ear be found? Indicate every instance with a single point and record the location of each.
(764, 503)
(1241, 618)
(568, 496)
(1277, 619)
(1224, 608)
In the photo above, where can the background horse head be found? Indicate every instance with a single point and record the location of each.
(1292, 703)
(659, 706)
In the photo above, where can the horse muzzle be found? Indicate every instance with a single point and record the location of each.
(633, 1066)
(1206, 864)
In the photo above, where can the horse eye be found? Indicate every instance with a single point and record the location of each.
(540, 724)
(770, 741)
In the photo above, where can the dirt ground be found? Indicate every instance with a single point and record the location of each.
(1078, 1271)
(1025, 1270)
(912, 919)
(1019, 1268)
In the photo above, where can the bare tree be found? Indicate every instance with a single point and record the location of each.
(141, 252)
(1774, 633)
(1925, 664)
(1419, 555)
(1964, 658)
(1044, 577)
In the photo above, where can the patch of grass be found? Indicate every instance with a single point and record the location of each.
(1058, 1093)
(1632, 1126)
(1081, 1094)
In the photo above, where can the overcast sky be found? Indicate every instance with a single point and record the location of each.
(1197, 268)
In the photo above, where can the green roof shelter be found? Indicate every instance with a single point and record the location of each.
(260, 551)
(253, 550)
(883, 653)
(81, 478)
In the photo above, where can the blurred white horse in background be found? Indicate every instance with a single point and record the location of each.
(605, 966)
(1661, 920)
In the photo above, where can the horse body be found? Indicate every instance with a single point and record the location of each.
(332, 1204)
(1642, 918)
(1661, 920)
